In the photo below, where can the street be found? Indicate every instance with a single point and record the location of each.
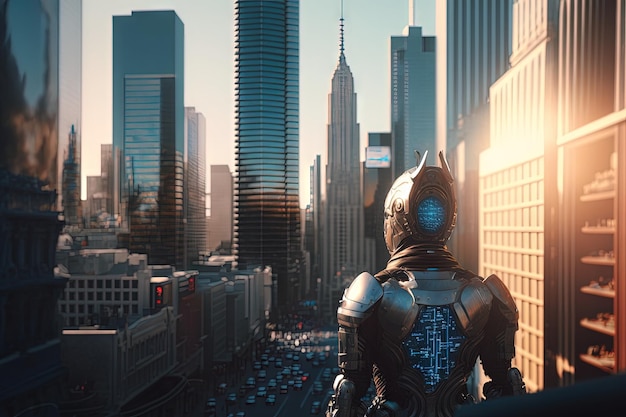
(296, 370)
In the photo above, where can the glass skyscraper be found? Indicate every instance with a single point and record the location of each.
(412, 98)
(195, 185)
(267, 224)
(148, 131)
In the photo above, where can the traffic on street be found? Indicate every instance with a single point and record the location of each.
(292, 376)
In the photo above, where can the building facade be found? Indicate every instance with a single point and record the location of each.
(148, 131)
(220, 220)
(376, 184)
(194, 185)
(343, 242)
(31, 370)
(412, 97)
(267, 208)
(474, 46)
(70, 100)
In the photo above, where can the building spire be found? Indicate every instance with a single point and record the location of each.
(341, 48)
(411, 12)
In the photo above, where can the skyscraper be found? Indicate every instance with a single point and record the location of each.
(220, 221)
(70, 100)
(267, 212)
(376, 183)
(31, 369)
(195, 185)
(343, 221)
(148, 131)
(412, 97)
(70, 182)
(474, 50)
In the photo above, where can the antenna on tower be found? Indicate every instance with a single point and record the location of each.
(411, 12)
(341, 30)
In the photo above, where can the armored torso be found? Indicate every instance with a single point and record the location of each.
(436, 320)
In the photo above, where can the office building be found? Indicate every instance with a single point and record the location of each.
(195, 185)
(343, 242)
(522, 125)
(267, 207)
(313, 225)
(474, 47)
(412, 98)
(70, 104)
(377, 180)
(220, 220)
(148, 131)
(31, 370)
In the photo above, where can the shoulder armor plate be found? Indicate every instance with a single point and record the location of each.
(358, 299)
(472, 308)
(505, 303)
(398, 309)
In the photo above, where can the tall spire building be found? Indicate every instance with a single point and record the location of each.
(343, 223)
(266, 196)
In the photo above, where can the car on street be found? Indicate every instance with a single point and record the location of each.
(221, 388)
(251, 400)
(316, 407)
(297, 385)
(270, 400)
(284, 389)
(250, 382)
(318, 388)
(211, 403)
(261, 392)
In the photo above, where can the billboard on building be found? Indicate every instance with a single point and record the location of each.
(378, 157)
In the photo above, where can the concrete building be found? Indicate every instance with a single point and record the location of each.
(267, 202)
(106, 287)
(220, 220)
(512, 227)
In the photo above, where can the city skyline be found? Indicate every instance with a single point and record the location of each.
(368, 23)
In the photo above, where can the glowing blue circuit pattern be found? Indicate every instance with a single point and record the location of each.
(433, 344)
(431, 215)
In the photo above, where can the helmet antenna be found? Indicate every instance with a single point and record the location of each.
(445, 166)
(420, 163)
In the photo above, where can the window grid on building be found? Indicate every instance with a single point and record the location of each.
(82, 291)
(512, 234)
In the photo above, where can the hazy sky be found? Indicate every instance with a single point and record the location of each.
(209, 69)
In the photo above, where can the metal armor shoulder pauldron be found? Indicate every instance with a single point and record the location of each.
(356, 305)
(358, 300)
(504, 300)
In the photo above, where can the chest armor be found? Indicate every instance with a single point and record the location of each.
(432, 315)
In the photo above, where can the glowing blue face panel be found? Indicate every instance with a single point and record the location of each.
(433, 344)
(431, 215)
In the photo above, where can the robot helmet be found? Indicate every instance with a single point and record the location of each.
(421, 204)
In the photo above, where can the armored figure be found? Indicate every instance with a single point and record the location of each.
(418, 327)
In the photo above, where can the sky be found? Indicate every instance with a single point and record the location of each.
(209, 69)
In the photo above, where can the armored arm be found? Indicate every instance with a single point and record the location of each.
(499, 343)
(355, 329)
